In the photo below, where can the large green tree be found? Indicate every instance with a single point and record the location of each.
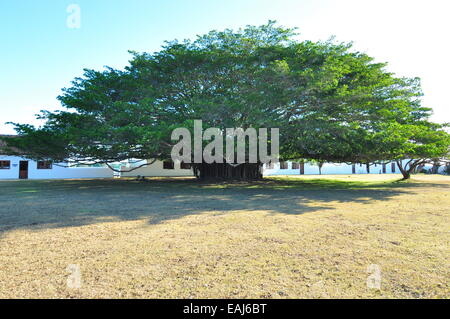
(330, 103)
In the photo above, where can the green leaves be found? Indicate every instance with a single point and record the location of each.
(330, 103)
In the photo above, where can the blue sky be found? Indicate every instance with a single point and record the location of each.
(40, 54)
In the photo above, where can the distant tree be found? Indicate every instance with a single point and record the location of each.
(317, 163)
(413, 144)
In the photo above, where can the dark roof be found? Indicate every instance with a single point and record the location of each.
(3, 145)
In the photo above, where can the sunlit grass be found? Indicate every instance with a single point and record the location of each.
(283, 237)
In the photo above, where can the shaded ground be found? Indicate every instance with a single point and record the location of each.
(295, 237)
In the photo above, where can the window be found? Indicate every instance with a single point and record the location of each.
(5, 164)
(283, 165)
(295, 165)
(393, 167)
(384, 168)
(184, 165)
(302, 168)
(353, 169)
(44, 165)
(168, 165)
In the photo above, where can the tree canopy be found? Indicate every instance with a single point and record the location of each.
(330, 102)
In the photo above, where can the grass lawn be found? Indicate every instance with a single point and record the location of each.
(284, 237)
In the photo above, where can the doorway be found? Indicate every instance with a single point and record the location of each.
(23, 170)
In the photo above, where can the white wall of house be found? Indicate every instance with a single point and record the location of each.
(62, 172)
(56, 172)
(329, 168)
(155, 169)
(13, 171)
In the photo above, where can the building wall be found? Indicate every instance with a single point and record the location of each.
(155, 169)
(56, 172)
(13, 171)
(329, 168)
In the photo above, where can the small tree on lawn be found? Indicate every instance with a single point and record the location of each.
(414, 144)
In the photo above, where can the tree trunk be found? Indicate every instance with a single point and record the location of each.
(406, 174)
(224, 171)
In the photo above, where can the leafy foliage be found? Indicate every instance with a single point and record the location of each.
(330, 103)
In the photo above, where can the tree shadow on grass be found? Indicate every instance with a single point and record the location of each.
(68, 203)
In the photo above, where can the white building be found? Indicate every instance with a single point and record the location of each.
(158, 168)
(15, 167)
(295, 168)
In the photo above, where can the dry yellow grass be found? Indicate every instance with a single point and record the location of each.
(297, 237)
